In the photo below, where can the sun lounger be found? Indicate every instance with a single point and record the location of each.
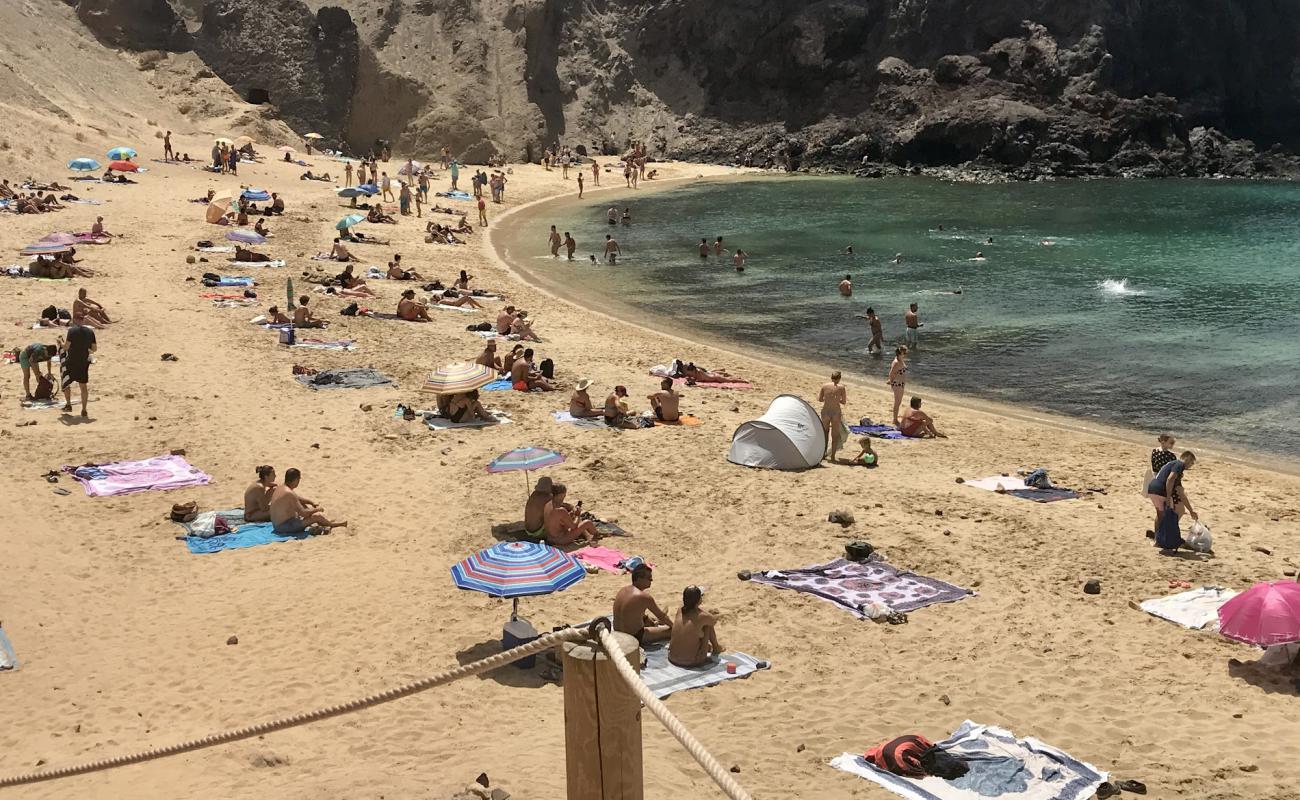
(664, 678)
(1001, 766)
(442, 423)
(249, 535)
(8, 660)
(854, 586)
(1195, 609)
(128, 477)
(345, 379)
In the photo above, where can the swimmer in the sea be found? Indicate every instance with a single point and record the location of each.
(988, 240)
(898, 259)
(979, 256)
(848, 251)
(1047, 243)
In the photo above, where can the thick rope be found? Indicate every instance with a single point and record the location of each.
(724, 780)
(545, 642)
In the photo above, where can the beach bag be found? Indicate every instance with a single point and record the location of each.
(858, 551)
(350, 311)
(286, 336)
(1168, 537)
(1199, 538)
(44, 388)
(1038, 479)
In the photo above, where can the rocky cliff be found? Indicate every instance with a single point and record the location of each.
(1018, 87)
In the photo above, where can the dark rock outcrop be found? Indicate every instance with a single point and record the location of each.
(134, 24)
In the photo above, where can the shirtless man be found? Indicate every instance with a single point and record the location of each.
(535, 510)
(508, 360)
(635, 611)
(612, 250)
(168, 153)
(917, 424)
(846, 286)
(694, 642)
(877, 343)
(738, 260)
(250, 256)
(718, 250)
(833, 397)
(704, 248)
(569, 245)
(257, 497)
(97, 230)
(293, 513)
(554, 241)
(87, 312)
(666, 403)
(524, 378)
(396, 273)
(618, 414)
(412, 310)
(505, 318)
(489, 357)
(612, 215)
(580, 401)
(562, 525)
(303, 316)
(913, 324)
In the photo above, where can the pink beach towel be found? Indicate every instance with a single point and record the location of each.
(128, 477)
(606, 558)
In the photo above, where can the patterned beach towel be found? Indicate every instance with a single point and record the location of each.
(274, 263)
(442, 423)
(855, 585)
(664, 678)
(321, 344)
(1000, 766)
(345, 379)
(251, 535)
(585, 423)
(128, 477)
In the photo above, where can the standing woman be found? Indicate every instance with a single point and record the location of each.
(898, 377)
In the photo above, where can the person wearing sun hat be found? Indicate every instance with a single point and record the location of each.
(580, 402)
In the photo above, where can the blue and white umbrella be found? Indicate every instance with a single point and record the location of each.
(121, 153)
(355, 191)
(83, 164)
(518, 569)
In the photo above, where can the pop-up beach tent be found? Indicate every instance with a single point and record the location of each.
(789, 435)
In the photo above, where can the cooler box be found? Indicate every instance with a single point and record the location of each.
(519, 632)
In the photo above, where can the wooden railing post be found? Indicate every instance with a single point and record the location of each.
(602, 723)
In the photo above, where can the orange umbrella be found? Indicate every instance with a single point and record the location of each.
(123, 166)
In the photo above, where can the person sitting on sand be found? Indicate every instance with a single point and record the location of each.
(347, 279)
(465, 407)
(462, 282)
(292, 513)
(42, 267)
(666, 402)
(53, 317)
(87, 312)
(277, 317)
(580, 402)
(866, 457)
(396, 273)
(535, 510)
(340, 252)
(562, 525)
(635, 611)
(523, 378)
(277, 206)
(251, 256)
(260, 227)
(508, 360)
(505, 318)
(618, 414)
(377, 215)
(303, 316)
(97, 230)
(917, 424)
(257, 497)
(412, 310)
(489, 357)
(522, 327)
(694, 641)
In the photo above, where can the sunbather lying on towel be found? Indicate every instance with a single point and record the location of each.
(376, 215)
(257, 497)
(308, 176)
(451, 298)
(562, 525)
(918, 424)
(694, 641)
(694, 374)
(244, 254)
(293, 513)
(634, 607)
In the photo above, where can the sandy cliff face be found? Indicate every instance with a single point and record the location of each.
(1026, 87)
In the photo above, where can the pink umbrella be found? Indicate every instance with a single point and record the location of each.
(1265, 614)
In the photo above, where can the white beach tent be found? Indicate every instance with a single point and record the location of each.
(789, 435)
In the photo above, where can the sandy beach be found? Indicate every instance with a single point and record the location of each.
(122, 633)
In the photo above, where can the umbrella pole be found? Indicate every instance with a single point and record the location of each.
(528, 483)
(514, 612)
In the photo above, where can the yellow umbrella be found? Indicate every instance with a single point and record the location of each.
(313, 136)
(218, 206)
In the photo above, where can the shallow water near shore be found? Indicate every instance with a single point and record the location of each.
(1153, 305)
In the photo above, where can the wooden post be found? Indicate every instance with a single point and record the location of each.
(602, 723)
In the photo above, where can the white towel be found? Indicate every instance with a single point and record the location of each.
(1009, 483)
(442, 423)
(279, 262)
(1195, 609)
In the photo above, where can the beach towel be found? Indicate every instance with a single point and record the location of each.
(231, 280)
(1001, 766)
(218, 248)
(442, 423)
(8, 660)
(1015, 486)
(322, 257)
(88, 201)
(739, 385)
(279, 262)
(855, 585)
(321, 344)
(585, 423)
(250, 535)
(345, 379)
(606, 528)
(455, 194)
(1195, 609)
(877, 431)
(127, 477)
(498, 385)
(605, 558)
(233, 302)
(684, 419)
(493, 335)
(664, 678)
(203, 525)
(39, 405)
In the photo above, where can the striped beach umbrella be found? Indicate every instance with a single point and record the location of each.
(246, 236)
(458, 378)
(123, 166)
(349, 221)
(121, 153)
(526, 459)
(83, 165)
(518, 569)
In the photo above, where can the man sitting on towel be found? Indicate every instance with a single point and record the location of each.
(634, 607)
(339, 252)
(293, 513)
(666, 403)
(917, 424)
(303, 316)
(524, 378)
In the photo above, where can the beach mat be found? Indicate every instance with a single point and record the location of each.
(585, 423)
(685, 420)
(1001, 766)
(443, 424)
(250, 535)
(345, 379)
(665, 678)
(854, 585)
(231, 280)
(8, 660)
(1195, 609)
(274, 263)
(605, 558)
(877, 431)
(128, 477)
(1014, 486)
(40, 405)
(322, 344)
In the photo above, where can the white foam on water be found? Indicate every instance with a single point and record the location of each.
(1119, 288)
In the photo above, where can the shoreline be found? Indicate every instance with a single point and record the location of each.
(682, 331)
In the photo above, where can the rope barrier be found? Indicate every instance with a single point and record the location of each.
(724, 780)
(545, 642)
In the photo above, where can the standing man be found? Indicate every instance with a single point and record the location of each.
(75, 367)
(833, 397)
(877, 343)
(455, 173)
(580, 185)
(911, 335)
(612, 215)
(569, 245)
(482, 210)
(846, 286)
(168, 154)
(704, 248)
(386, 187)
(554, 241)
(612, 250)
(422, 185)
(718, 250)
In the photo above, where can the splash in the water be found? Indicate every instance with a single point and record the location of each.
(1119, 288)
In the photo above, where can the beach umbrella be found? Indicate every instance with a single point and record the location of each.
(45, 249)
(369, 188)
(1265, 614)
(123, 166)
(246, 236)
(221, 140)
(349, 221)
(457, 378)
(256, 195)
(286, 149)
(243, 140)
(364, 190)
(313, 136)
(518, 569)
(409, 168)
(121, 153)
(83, 164)
(525, 459)
(218, 206)
(58, 238)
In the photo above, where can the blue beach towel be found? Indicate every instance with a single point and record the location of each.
(877, 431)
(232, 280)
(498, 385)
(8, 660)
(251, 535)
(454, 195)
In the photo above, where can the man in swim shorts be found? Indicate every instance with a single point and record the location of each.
(30, 358)
(913, 325)
(535, 510)
(293, 513)
(75, 366)
(635, 611)
(917, 424)
(666, 403)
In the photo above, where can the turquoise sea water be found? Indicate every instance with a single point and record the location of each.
(1158, 306)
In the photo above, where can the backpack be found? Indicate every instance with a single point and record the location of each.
(1168, 536)
(350, 311)
(44, 388)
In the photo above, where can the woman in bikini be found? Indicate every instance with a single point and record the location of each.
(898, 377)
(412, 310)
